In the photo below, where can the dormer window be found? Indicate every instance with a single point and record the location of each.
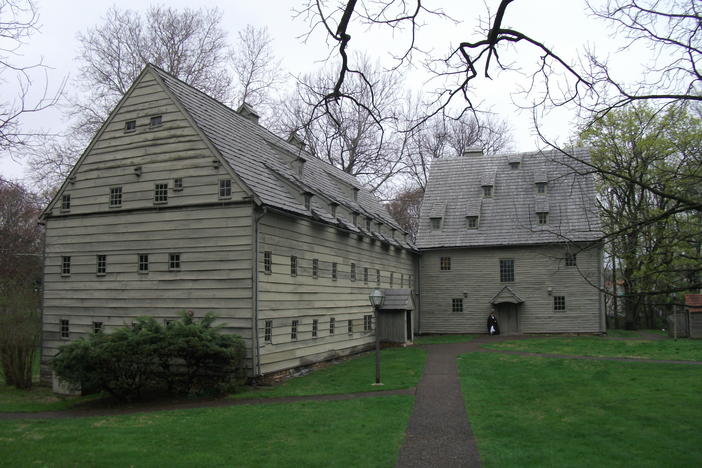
(472, 222)
(379, 227)
(368, 224)
(155, 121)
(355, 194)
(541, 188)
(355, 219)
(332, 209)
(308, 200)
(392, 232)
(129, 126)
(487, 191)
(435, 224)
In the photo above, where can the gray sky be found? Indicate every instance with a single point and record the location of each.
(563, 25)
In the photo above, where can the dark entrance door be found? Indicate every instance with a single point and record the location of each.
(409, 325)
(507, 318)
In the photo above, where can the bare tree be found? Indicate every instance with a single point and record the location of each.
(18, 20)
(256, 68)
(405, 209)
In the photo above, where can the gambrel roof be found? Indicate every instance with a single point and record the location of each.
(509, 215)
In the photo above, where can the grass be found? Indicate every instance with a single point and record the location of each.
(532, 411)
(400, 368)
(440, 339)
(616, 333)
(37, 399)
(682, 350)
(364, 432)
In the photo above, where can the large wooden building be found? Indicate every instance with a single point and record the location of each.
(516, 234)
(181, 203)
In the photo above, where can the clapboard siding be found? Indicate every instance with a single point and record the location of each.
(215, 245)
(475, 277)
(284, 298)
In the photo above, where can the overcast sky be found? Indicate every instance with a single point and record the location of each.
(563, 25)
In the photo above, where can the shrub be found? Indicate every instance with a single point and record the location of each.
(186, 357)
(20, 333)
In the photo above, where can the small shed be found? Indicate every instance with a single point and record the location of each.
(693, 303)
(395, 316)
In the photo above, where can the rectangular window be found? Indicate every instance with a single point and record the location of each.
(315, 268)
(543, 218)
(367, 322)
(115, 197)
(391, 278)
(368, 224)
(155, 121)
(308, 201)
(143, 263)
(268, 331)
(559, 304)
(355, 219)
(487, 191)
(353, 272)
(350, 327)
(541, 187)
(293, 266)
(514, 165)
(293, 330)
(445, 263)
(174, 262)
(129, 126)
(571, 260)
(101, 264)
(332, 325)
(225, 188)
(472, 222)
(268, 262)
(409, 281)
(457, 305)
(161, 193)
(66, 202)
(65, 328)
(334, 273)
(315, 328)
(436, 223)
(178, 184)
(365, 275)
(65, 266)
(377, 277)
(97, 327)
(332, 208)
(507, 271)
(402, 280)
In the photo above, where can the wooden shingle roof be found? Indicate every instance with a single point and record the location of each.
(509, 217)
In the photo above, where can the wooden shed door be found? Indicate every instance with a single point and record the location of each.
(507, 318)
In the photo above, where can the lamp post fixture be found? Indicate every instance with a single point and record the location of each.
(376, 299)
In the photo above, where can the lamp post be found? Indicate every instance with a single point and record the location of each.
(376, 299)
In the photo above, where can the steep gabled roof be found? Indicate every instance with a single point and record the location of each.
(267, 163)
(508, 216)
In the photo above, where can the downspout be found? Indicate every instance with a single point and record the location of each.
(419, 292)
(254, 328)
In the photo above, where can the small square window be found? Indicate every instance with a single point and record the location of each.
(143, 263)
(315, 268)
(487, 191)
(334, 273)
(66, 266)
(542, 218)
(178, 184)
(377, 277)
(174, 262)
(161, 193)
(66, 202)
(457, 305)
(332, 325)
(472, 222)
(445, 264)
(101, 264)
(365, 275)
(559, 304)
(268, 331)
(435, 223)
(507, 271)
(353, 272)
(293, 266)
(268, 262)
(350, 327)
(156, 121)
(115, 197)
(225, 188)
(367, 322)
(293, 330)
(129, 126)
(571, 259)
(97, 327)
(514, 165)
(541, 187)
(315, 328)
(65, 328)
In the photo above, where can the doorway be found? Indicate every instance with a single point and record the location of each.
(507, 318)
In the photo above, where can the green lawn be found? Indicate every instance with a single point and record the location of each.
(532, 411)
(365, 432)
(37, 399)
(400, 368)
(684, 350)
(439, 339)
(617, 333)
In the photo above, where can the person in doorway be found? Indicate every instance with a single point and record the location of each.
(492, 325)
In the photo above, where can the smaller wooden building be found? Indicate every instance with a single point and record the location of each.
(396, 316)
(693, 302)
